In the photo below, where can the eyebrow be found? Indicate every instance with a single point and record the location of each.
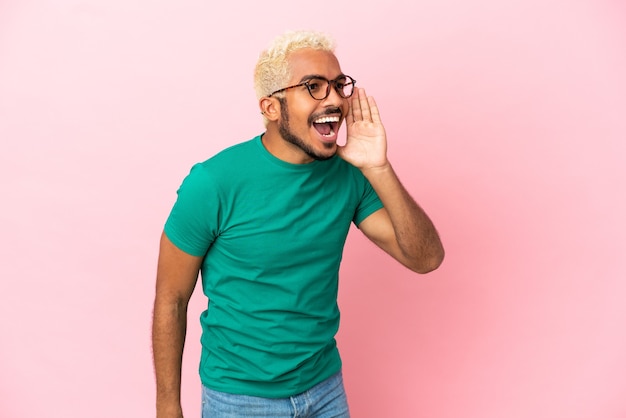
(312, 76)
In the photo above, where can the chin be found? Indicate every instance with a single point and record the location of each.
(329, 152)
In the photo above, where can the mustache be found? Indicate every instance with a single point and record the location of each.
(327, 111)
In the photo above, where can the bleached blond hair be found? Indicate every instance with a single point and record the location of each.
(272, 70)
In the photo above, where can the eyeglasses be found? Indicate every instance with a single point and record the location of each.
(319, 87)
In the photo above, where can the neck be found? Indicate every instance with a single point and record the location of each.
(276, 145)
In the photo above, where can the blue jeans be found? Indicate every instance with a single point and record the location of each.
(324, 400)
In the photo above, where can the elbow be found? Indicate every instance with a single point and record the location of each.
(429, 263)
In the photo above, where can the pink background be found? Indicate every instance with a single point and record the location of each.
(506, 121)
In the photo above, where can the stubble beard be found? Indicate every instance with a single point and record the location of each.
(287, 135)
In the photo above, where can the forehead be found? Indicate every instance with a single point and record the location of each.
(309, 62)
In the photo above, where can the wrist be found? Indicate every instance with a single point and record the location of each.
(377, 170)
(169, 410)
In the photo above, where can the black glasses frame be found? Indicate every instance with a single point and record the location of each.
(334, 83)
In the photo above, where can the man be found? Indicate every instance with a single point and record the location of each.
(265, 222)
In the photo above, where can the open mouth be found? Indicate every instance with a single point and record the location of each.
(326, 126)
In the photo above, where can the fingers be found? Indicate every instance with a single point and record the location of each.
(355, 106)
(364, 104)
(363, 108)
(359, 107)
(349, 116)
(375, 115)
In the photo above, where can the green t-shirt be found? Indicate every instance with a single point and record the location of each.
(272, 234)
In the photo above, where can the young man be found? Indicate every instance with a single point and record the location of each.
(265, 222)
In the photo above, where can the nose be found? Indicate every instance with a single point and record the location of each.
(334, 99)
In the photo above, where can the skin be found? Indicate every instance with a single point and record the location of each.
(302, 109)
(401, 228)
(284, 128)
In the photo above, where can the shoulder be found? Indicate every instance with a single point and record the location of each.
(232, 154)
(207, 174)
(228, 162)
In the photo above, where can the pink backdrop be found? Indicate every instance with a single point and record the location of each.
(507, 121)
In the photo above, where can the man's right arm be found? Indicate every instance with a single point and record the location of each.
(177, 273)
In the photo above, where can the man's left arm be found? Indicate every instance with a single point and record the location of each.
(401, 228)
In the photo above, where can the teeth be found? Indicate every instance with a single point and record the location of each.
(331, 133)
(327, 119)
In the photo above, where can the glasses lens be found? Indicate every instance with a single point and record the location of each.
(318, 87)
(345, 86)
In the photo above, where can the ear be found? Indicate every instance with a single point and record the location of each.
(270, 108)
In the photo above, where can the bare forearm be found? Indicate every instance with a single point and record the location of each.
(415, 233)
(168, 338)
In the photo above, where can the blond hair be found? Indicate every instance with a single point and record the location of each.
(272, 70)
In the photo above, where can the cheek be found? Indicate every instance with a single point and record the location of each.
(302, 118)
(345, 106)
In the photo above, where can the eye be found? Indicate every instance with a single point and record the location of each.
(341, 82)
(314, 85)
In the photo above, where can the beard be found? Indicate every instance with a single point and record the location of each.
(287, 135)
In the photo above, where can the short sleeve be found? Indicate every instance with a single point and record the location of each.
(370, 203)
(193, 222)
